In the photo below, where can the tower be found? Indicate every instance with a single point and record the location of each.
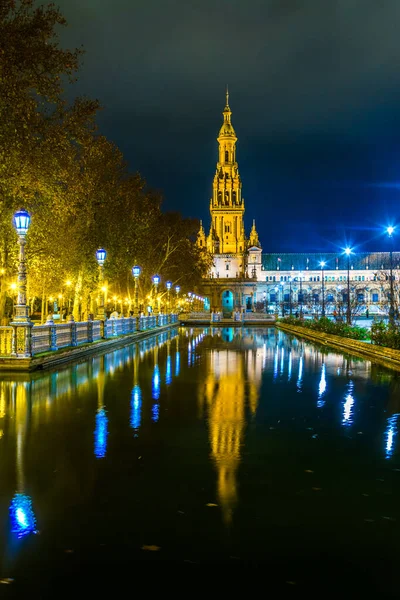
(226, 204)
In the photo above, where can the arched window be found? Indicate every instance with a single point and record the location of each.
(219, 197)
(234, 197)
(226, 156)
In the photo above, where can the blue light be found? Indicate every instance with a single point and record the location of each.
(168, 371)
(276, 363)
(290, 367)
(22, 221)
(348, 406)
(177, 363)
(156, 383)
(100, 434)
(300, 375)
(390, 435)
(101, 256)
(156, 279)
(136, 270)
(322, 387)
(23, 521)
(136, 408)
(155, 412)
(282, 359)
(168, 285)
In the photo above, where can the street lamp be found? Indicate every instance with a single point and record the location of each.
(390, 231)
(22, 221)
(168, 285)
(156, 281)
(301, 294)
(347, 252)
(322, 265)
(136, 270)
(177, 290)
(277, 300)
(101, 257)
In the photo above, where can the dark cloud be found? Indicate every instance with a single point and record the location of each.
(315, 94)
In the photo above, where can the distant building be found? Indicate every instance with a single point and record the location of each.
(242, 278)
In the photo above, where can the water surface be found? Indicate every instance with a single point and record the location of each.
(236, 446)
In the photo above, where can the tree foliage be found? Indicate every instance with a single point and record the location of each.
(74, 182)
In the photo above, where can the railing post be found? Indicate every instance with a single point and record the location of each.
(52, 332)
(90, 331)
(72, 325)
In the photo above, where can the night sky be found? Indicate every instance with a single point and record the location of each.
(315, 96)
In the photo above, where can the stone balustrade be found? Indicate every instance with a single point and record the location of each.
(52, 336)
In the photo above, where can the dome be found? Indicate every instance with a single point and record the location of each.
(227, 129)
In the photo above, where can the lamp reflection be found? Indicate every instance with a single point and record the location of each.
(101, 424)
(300, 374)
(22, 517)
(155, 388)
(168, 371)
(322, 387)
(348, 406)
(136, 409)
(390, 435)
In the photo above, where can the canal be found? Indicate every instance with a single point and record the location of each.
(236, 446)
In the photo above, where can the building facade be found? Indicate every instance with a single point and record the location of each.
(243, 278)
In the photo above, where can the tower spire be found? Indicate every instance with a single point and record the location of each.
(227, 95)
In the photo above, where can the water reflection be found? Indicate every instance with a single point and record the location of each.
(390, 435)
(348, 405)
(225, 368)
(322, 386)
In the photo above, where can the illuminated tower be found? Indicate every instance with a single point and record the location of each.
(227, 205)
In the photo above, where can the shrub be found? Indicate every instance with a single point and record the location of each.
(325, 325)
(383, 334)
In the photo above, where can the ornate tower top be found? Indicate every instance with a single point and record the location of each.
(227, 130)
(253, 239)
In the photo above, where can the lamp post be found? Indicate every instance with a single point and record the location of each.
(301, 294)
(21, 321)
(177, 290)
(390, 231)
(101, 257)
(168, 285)
(347, 252)
(136, 270)
(156, 281)
(322, 265)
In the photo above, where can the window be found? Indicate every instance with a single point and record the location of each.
(272, 298)
(227, 267)
(227, 228)
(375, 297)
(329, 297)
(286, 297)
(234, 197)
(360, 297)
(201, 242)
(226, 155)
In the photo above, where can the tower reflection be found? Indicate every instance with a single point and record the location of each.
(232, 383)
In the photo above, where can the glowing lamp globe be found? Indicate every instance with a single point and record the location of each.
(322, 264)
(22, 221)
(190, 294)
(178, 289)
(136, 270)
(347, 251)
(156, 279)
(168, 285)
(101, 256)
(390, 231)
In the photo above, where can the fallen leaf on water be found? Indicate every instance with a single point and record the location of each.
(316, 489)
(6, 580)
(308, 471)
(68, 551)
(211, 504)
(389, 518)
(180, 512)
(366, 495)
(151, 548)
(369, 520)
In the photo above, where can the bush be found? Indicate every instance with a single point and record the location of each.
(383, 334)
(325, 325)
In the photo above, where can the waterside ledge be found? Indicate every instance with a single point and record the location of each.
(69, 354)
(385, 356)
